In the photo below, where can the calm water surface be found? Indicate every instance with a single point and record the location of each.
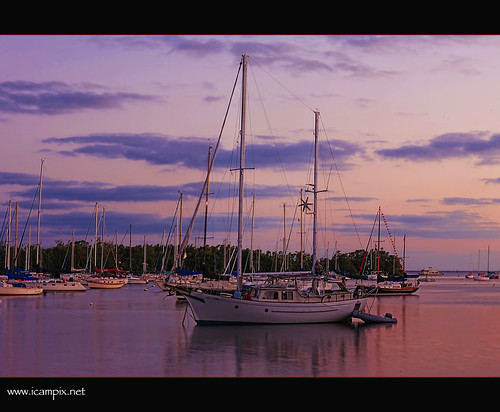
(448, 328)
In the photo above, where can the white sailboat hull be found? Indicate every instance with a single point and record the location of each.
(212, 309)
(105, 283)
(10, 290)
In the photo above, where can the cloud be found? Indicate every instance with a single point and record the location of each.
(450, 145)
(194, 46)
(60, 226)
(280, 51)
(351, 198)
(23, 179)
(157, 149)
(211, 99)
(470, 201)
(492, 180)
(59, 196)
(56, 191)
(154, 149)
(55, 98)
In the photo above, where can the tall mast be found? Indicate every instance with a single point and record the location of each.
(130, 249)
(242, 166)
(378, 247)
(116, 249)
(179, 256)
(7, 254)
(102, 240)
(95, 237)
(251, 238)
(404, 254)
(144, 257)
(315, 189)
(38, 257)
(73, 251)
(15, 240)
(283, 264)
(206, 203)
(28, 251)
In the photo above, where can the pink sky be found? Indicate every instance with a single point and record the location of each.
(126, 121)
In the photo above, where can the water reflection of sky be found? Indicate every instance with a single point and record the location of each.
(276, 350)
(447, 329)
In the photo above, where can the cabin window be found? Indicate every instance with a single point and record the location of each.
(287, 295)
(270, 295)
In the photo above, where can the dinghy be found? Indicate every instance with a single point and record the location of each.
(371, 318)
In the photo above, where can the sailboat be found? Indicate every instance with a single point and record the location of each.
(394, 284)
(18, 283)
(104, 278)
(283, 298)
(60, 285)
(482, 276)
(18, 289)
(193, 279)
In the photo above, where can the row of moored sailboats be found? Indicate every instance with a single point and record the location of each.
(21, 286)
(26, 282)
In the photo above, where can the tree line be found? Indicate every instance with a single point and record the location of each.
(212, 260)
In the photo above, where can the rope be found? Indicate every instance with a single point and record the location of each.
(366, 249)
(272, 134)
(392, 242)
(191, 224)
(342, 185)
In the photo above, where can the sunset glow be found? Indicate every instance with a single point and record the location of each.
(408, 123)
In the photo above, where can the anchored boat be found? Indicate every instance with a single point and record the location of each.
(306, 297)
(60, 285)
(18, 289)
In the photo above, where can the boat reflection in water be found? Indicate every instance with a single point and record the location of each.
(278, 350)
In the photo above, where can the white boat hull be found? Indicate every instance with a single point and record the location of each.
(9, 290)
(105, 283)
(138, 281)
(58, 286)
(212, 309)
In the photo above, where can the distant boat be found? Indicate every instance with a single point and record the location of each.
(136, 279)
(481, 276)
(60, 285)
(430, 272)
(105, 278)
(392, 284)
(395, 288)
(95, 282)
(18, 289)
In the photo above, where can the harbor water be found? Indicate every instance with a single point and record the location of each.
(448, 328)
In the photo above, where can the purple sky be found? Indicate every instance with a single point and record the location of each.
(408, 123)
